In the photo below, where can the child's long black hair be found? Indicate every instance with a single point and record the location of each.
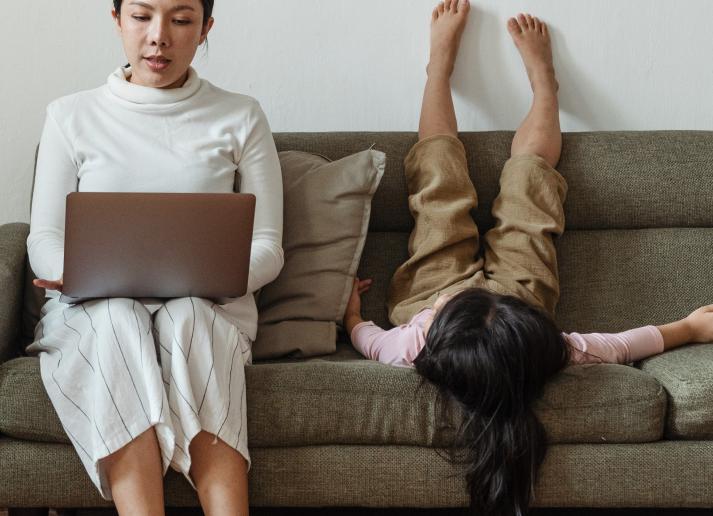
(493, 354)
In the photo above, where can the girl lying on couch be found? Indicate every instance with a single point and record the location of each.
(481, 329)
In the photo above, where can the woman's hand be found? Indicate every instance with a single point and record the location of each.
(49, 284)
(352, 315)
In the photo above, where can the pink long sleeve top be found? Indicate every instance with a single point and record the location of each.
(402, 344)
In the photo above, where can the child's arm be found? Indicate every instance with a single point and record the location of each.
(397, 346)
(632, 345)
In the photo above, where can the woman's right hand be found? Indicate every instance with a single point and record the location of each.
(49, 284)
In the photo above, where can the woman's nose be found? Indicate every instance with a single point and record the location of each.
(159, 34)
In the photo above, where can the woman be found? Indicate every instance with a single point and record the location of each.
(138, 384)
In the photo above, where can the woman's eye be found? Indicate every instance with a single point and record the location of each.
(182, 22)
(140, 18)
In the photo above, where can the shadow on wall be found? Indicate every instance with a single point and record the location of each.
(480, 80)
(495, 94)
(588, 107)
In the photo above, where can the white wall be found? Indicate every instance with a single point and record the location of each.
(325, 65)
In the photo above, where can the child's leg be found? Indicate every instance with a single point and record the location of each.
(520, 253)
(438, 115)
(539, 133)
(444, 242)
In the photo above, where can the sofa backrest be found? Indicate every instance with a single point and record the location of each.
(638, 248)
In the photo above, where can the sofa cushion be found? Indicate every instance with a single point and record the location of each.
(614, 280)
(390, 479)
(617, 180)
(327, 211)
(687, 375)
(347, 400)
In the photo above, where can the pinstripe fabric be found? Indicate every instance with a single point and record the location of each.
(113, 368)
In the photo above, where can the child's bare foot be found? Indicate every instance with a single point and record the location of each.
(532, 39)
(447, 24)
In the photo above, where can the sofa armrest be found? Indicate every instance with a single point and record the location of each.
(13, 254)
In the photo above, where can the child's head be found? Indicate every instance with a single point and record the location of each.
(493, 355)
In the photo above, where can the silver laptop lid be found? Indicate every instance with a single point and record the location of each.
(157, 244)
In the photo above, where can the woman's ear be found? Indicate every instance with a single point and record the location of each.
(206, 29)
(117, 19)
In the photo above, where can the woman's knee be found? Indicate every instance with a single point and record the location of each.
(191, 320)
(116, 314)
(192, 310)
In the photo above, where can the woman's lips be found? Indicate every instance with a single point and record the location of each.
(157, 63)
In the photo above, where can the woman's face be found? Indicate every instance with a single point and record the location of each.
(160, 39)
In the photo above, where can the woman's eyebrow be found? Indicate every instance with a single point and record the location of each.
(151, 7)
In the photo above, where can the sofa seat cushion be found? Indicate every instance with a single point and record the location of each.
(346, 400)
(687, 376)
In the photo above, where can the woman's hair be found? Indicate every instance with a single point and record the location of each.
(207, 9)
(492, 355)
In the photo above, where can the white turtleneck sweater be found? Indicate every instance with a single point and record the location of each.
(122, 137)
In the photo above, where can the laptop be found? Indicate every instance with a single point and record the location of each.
(158, 245)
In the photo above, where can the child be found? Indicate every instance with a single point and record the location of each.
(481, 329)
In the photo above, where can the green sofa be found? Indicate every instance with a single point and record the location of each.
(342, 431)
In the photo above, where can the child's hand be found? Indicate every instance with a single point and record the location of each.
(354, 304)
(700, 323)
(352, 315)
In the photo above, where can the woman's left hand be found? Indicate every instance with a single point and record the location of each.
(49, 284)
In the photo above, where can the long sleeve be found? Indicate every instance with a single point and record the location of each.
(56, 176)
(615, 348)
(260, 174)
(398, 346)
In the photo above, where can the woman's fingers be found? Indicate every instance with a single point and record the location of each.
(47, 284)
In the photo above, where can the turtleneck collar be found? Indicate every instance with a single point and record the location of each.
(120, 86)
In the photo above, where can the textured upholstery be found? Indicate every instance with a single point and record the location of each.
(320, 402)
(12, 273)
(665, 474)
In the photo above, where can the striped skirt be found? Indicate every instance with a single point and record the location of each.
(113, 368)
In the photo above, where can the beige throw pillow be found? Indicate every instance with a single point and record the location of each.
(326, 219)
